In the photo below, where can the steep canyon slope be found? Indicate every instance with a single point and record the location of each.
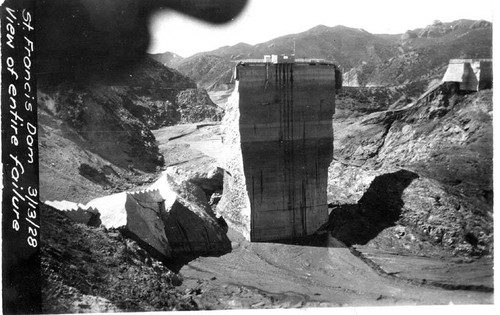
(424, 172)
(95, 137)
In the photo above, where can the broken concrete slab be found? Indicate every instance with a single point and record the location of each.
(162, 221)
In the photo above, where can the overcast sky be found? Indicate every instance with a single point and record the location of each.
(263, 20)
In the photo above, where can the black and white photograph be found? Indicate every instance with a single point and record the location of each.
(194, 155)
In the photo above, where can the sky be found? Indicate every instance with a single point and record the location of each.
(263, 20)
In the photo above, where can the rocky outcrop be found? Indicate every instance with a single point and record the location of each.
(350, 78)
(481, 24)
(431, 162)
(437, 29)
(167, 225)
(409, 35)
(356, 100)
(162, 96)
(189, 105)
(194, 105)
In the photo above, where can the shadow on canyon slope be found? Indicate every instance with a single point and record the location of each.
(379, 208)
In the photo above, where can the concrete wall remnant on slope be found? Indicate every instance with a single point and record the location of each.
(471, 74)
(280, 124)
(78, 212)
(161, 221)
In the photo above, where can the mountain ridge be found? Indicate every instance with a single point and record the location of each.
(167, 58)
(374, 59)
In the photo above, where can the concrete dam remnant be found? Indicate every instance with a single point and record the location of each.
(470, 74)
(278, 126)
(163, 222)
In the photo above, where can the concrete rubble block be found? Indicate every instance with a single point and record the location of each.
(198, 183)
(137, 215)
(167, 225)
(190, 226)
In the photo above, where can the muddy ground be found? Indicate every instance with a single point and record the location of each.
(320, 272)
(317, 271)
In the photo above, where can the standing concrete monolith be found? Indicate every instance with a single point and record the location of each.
(278, 129)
